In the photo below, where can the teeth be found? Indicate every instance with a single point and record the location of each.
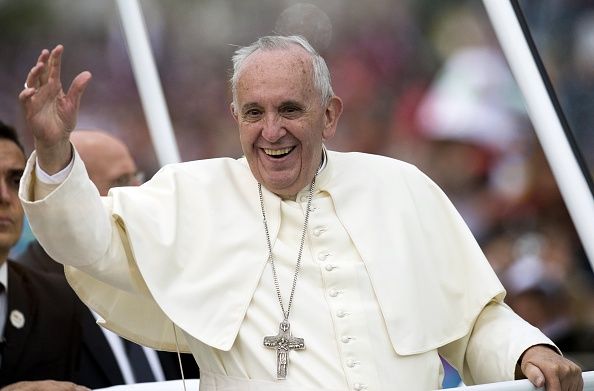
(277, 152)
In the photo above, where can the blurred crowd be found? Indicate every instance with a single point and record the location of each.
(421, 81)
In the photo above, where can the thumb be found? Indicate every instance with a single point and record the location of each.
(534, 374)
(78, 86)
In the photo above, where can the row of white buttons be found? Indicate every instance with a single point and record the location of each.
(324, 256)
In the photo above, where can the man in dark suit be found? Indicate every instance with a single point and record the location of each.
(105, 359)
(39, 316)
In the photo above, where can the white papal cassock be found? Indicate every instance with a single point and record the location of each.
(391, 276)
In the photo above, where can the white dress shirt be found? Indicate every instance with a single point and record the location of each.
(3, 297)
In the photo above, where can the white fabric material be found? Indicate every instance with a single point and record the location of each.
(3, 296)
(56, 178)
(171, 385)
(413, 279)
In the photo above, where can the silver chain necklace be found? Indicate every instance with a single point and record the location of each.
(283, 342)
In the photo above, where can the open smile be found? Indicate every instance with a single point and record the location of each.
(278, 153)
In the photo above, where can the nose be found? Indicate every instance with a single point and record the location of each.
(272, 128)
(6, 192)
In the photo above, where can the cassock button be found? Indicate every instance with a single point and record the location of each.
(323, 255)
(17, 319)
(319, 231)
(329, 267)
(350, 363)
(359, 386)
(333, 292)
(341, 314)
(345, 339)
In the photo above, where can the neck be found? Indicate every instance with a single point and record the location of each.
(323, 159)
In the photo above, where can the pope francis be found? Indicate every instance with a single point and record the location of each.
(292, 268)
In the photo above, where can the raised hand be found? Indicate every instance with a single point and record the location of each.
(50, 114)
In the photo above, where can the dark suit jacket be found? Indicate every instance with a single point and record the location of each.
(98, 366)
(47, 343)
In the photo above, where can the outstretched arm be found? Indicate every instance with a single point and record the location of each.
(50, 114)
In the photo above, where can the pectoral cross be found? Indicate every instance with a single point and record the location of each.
(283, 342)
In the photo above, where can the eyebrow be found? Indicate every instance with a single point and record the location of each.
(252, 105)
(291, 103)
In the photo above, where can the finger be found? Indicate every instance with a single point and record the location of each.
(26, 94)
(32, 77)
(578, 384)
(534, 374)
(55, 64)
(43, 56)
(553, 383)
(78, 86)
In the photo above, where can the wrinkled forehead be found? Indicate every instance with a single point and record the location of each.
(292, 62)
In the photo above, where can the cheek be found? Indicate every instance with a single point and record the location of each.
(19, 215)
(247, 134)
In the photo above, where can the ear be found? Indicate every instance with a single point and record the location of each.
(331, 117)
(233, 111)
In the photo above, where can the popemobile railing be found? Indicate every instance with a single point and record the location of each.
(192, 384)
(524, 385)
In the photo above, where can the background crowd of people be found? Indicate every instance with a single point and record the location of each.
(421, 81)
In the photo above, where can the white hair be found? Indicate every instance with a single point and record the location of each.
(321, 74)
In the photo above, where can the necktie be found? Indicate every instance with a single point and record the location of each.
(139, 363)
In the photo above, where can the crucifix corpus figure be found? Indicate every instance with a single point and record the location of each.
(283, 342)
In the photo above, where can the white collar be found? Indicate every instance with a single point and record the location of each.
(4, 275)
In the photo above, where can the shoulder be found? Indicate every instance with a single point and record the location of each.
(204, 171)
(204, 165)
(368, 160)
(48, 286)
(37, 259)
(376, 168)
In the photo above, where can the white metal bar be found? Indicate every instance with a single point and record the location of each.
(147, 80)
(524, 385)
(572, 184)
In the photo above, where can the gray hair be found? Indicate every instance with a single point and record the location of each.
(321, 74)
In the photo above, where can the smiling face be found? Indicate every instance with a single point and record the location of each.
(282, 122)
(12, 164)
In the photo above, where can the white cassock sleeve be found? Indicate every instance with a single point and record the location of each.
(499, 337)
(83, 235)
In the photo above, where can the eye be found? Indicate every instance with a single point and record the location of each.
(15, 180)
(252, 114)
(291, 111)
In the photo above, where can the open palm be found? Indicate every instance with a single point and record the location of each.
(50, 113)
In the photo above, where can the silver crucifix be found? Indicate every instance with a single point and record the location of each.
(283, 342)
